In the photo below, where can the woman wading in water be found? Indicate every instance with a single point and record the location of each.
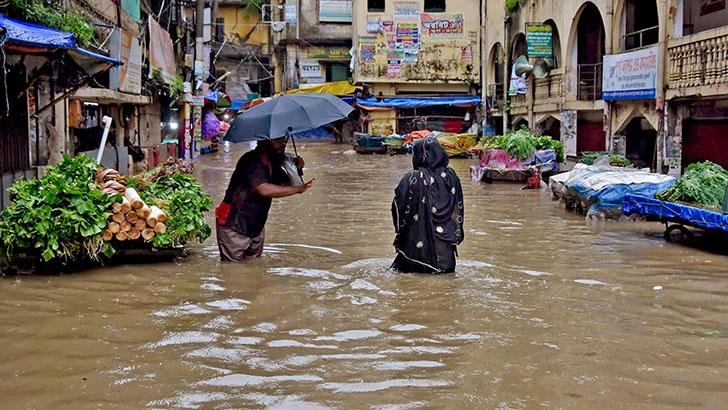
(428, 212)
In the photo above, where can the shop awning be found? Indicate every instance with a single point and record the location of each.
(27, 35)
(336, 88)
(375, 104)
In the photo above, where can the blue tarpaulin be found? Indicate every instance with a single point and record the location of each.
(236, 104)
(27, 34)
(32, 35)
(418, 102)
(686, 214)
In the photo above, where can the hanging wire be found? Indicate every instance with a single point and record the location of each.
(3, 40)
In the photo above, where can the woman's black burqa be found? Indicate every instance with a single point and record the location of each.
(428, 212)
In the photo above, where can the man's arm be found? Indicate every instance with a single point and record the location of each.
(278, 191)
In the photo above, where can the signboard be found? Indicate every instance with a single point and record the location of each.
(310, 70)
(442, 26)
(161, 51)
(367, 49)
(406, 11)
(290, 13)
(631, 76)
(131, 72)
(539, 40)
(197, 130)
(329, 53)
(338, 11)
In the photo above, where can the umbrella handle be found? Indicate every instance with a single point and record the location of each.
(289, 135)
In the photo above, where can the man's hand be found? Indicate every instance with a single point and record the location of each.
(303, 188)
(298, 161)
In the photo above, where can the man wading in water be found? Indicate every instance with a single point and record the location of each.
(428, 212)
(241, 217)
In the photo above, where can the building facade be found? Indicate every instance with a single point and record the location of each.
(312, 42)
(645, 79)
(419, 48)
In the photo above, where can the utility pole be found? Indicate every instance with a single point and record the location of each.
(483, 64)
(198, 74)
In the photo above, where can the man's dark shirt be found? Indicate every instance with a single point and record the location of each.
(249, 211)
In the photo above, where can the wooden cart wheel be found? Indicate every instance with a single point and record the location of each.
(678, 233)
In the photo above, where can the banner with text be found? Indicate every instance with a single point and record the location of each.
(442, 26)
(631, 76)
(161, 51)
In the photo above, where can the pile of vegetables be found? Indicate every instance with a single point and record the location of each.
(703, 183)
(618, 161)
(523, 143)
(81, 210)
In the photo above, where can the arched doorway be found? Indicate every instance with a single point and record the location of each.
(495, 77)
(589, 47)
(557, 43)
(518, 48)
(640, 142)
(550, 126)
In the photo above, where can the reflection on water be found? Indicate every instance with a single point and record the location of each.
(544, 310)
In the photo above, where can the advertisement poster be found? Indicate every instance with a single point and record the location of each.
(394, 62)
(161, 51)
(367, 49)
(407, 36)
(388, 27)
(391, 41)
(328, 52)
(466, 54)
(406, 11)
(373, 26)
(442, 26)
(631, 76)
(335, 11)
(539, 40)
(411, 56)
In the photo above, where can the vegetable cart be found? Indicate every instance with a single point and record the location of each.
(676, 216)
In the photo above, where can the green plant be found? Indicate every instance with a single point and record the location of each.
(184, 201)
(618, 160)
(54, 16)
(702, 183)
(61, 214)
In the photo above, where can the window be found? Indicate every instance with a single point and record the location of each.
(220, 29)
(434, 6)
(641, 24)
(375, 6)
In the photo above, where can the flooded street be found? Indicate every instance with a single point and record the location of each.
(544, 310)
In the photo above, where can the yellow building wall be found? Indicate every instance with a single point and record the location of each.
(238, 25)
(441, 58)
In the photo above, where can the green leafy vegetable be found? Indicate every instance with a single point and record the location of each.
(702, 183)
(61, 214)
(184, 201)
(618, 161)
(523, 143)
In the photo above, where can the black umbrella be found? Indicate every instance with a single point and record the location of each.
(285, 115)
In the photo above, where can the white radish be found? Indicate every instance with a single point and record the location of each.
(148, 234)
(121, 236)
(134, 198)
(160, 228)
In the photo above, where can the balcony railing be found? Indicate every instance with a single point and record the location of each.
(590, 82)
(698, 60)
(548, 88)
(641, 38)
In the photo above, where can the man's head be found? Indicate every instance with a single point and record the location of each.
(274, 146)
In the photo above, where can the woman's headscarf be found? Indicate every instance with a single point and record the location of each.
(428, 204)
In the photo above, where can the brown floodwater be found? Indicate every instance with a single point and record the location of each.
(545, 310)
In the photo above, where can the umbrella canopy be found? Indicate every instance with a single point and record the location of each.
(299, 112)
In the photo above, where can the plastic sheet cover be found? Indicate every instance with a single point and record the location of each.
(20, 32)
(699, 217)
(465, 100)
